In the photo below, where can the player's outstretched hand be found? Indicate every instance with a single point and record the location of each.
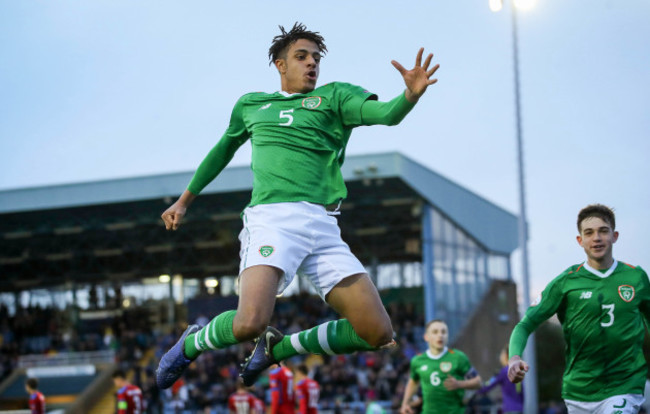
(173, 216)
(417, 79)
(517, 369)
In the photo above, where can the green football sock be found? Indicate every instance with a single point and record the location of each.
(215, 335)
(332, 338)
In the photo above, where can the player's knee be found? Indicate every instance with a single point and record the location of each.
(246, 329)
(378, 336)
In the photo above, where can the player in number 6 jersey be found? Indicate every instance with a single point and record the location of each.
(600, 304)
(298, 137)
(443, 373)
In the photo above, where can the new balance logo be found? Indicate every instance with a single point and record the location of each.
(585, 295)
(263, 107)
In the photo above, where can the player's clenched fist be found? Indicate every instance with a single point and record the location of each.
(517, 369)
(173, 216)
(175, 213)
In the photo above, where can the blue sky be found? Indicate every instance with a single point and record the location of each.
(105, 89)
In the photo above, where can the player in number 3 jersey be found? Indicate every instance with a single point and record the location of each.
(443, 373)
(600, 304)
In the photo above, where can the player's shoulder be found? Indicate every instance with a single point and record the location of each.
(419, 358)
(629, 267)
(631, 270)
(337, 86)
(457, 353)
(254, 97)
(570, 273)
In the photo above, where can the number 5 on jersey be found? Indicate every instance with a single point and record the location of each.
(286, 115)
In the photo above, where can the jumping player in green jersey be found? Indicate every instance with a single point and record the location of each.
(443, 373)
(600, 304)
(298, 137)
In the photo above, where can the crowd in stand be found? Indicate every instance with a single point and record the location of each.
(35, 330)
(347, 381)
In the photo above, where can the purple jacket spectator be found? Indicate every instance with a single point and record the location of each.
(512, 394)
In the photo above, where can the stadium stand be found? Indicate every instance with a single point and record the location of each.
(80, 268)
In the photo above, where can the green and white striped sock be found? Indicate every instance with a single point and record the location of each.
(332, 338)
(215, 335)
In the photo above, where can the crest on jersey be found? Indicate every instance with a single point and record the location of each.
(266, 251)
(626, 292)
(312, 102)
(445, 366)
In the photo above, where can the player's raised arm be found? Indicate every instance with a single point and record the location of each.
(417, 80)
(410, 389)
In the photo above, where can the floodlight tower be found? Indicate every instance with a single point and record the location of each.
(530, 354)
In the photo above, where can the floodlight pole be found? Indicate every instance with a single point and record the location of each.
(530, 354)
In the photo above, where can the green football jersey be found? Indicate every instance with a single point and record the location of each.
(298, 141)
(601, 316)
(431, 371)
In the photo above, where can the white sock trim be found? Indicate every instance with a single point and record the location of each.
(207, 337)
(295, 343)
(322, 339)
(197, 344)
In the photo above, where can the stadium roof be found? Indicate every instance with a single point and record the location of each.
(99, 217)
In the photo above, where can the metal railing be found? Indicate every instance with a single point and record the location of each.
(67, 358)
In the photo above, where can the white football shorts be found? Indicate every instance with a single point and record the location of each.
(297, 238)
(623, 404)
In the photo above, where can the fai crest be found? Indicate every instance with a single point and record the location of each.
(445, 366)
(312, 102)
(626, 292)
(266, 251)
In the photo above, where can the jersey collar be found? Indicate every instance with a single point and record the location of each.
(287, 94)
(600, 274)
(430, 355)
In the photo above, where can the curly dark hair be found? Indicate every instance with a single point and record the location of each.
(281, 42)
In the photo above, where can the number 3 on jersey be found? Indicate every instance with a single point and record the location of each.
(286, 114)
(610, 314)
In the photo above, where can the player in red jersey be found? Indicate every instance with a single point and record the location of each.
(241, 401)
(307, 391)
(258, 407)
(283, 400)
(36, 398)
(129, 397)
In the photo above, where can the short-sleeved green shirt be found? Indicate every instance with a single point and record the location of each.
(431, 371)
(601, 317)
(298, 141)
